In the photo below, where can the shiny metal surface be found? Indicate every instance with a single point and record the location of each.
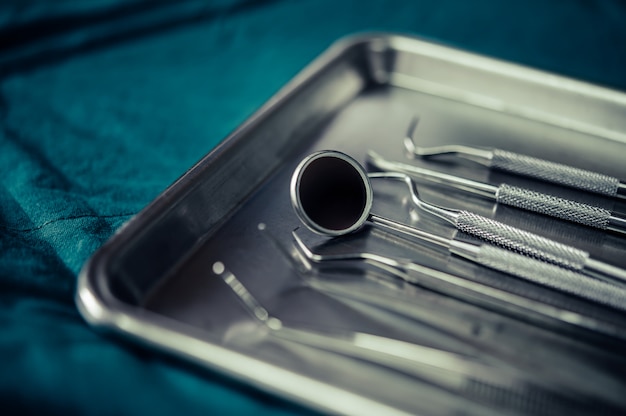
(523, 165)
(495, 258)
(512, 238)
(331, 193)
(485, 190)
(555, 207)
(501, 387)
(153, 282)
(514, 196)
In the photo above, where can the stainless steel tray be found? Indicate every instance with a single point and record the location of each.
(153, 281)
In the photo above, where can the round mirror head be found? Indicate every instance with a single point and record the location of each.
(331, 193)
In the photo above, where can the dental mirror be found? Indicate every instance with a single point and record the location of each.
(331, 193)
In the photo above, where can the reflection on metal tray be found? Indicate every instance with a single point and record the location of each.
(156, 280)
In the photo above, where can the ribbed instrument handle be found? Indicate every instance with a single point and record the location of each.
(555, 172)
(552, 276)
(553, 206)
(521, 241)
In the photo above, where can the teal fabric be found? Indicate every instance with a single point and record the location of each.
(103, 104)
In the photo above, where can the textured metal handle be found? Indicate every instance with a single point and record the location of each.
(554, 172)
(553, 206)
(522, 241)
(552, 276)
(530, 400)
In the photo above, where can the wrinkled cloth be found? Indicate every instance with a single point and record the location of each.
(105, 103)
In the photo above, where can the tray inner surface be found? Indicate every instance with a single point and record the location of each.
(353, 106)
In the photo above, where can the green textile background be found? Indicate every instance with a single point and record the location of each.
(103, 104)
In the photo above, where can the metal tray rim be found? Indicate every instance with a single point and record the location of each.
(101, 310)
